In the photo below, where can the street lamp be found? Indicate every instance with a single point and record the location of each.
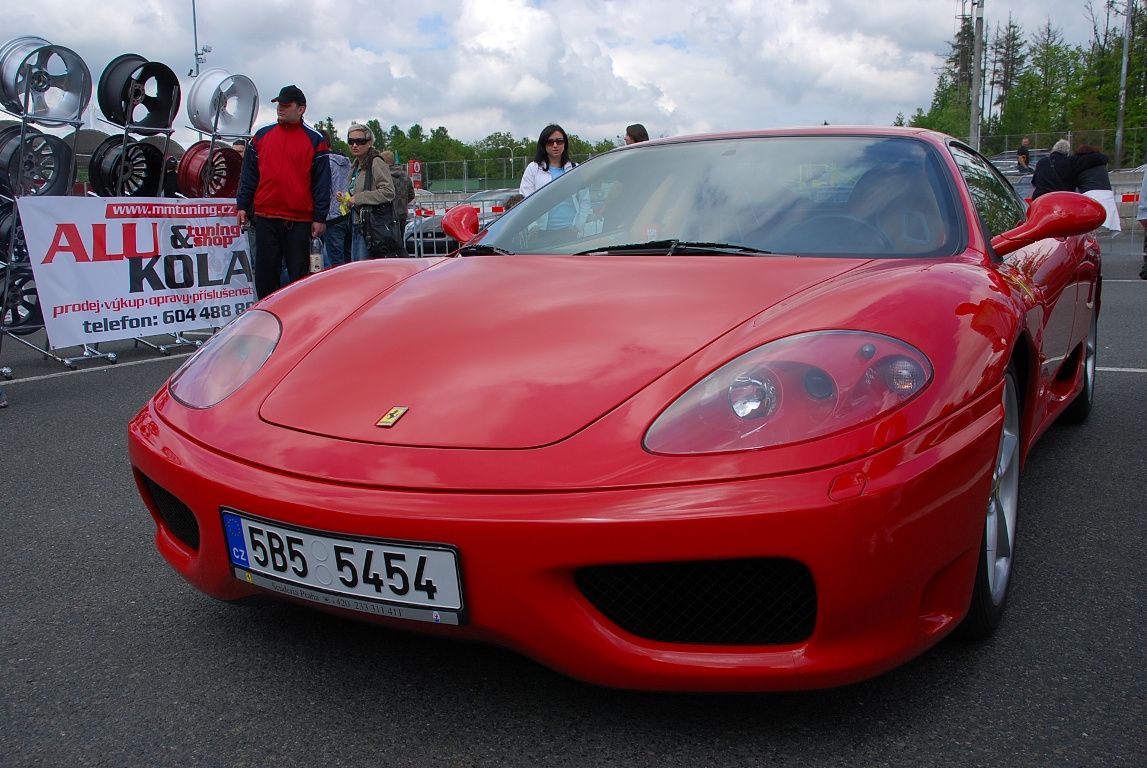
(200, 53)
(511, 157)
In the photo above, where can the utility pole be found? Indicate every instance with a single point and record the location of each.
(200, 58)
(977, 73)
(1122, 88)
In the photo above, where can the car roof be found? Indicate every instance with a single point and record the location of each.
(493, 193)
(813, 130)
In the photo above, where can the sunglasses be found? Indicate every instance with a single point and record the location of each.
(555, 142)
(357, 142)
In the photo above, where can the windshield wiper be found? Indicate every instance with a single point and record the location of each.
(482, 250)
(671, 247)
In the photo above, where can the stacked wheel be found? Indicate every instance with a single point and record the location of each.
(41, 164)
(232, 99)
(207, 172)
(43, 81)
(139, 93)
(131, 169)
(12, 236)
(20, 311)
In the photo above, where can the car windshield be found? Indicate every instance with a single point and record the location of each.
(794, 195)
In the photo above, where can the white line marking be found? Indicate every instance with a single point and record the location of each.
(1122, 370)
(106, 367)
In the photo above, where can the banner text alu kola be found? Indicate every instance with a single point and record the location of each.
(118, 268)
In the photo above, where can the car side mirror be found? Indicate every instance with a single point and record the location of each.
(461, 223)
(1056, 214)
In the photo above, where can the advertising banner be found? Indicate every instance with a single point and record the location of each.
(120, 268)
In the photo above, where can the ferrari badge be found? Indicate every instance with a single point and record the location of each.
(392, 416)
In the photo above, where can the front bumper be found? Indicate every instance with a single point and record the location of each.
(891, 540)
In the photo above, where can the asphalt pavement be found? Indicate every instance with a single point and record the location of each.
(107, 657)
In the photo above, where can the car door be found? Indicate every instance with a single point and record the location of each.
(1051, 267)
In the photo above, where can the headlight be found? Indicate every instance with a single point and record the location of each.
(227, 361)
(792, 390)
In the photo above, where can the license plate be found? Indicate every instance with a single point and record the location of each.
(408, 580)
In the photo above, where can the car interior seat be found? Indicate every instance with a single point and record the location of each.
(900, 202)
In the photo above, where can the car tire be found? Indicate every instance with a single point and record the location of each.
(997, 542)
(1080, 408)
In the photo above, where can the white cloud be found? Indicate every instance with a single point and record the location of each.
(479, 66)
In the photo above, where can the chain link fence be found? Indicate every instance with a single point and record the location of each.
(476, 175)
(1134, 143)
(503, 172)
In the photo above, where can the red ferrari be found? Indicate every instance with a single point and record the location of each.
(733, 413)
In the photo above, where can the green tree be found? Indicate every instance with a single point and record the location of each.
(603, 146)
(1053, 68)
(951, 101)
(379, 135)
(1008, 56)
(440, 147)
(337, 144)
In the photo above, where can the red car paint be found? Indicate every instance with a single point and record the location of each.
(531, 381)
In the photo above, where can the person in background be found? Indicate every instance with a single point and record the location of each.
(403, 195)
(1054, 173)
(1022, 163)
(361, 141)
(1143, 223)
(511, 201)
(635, 133)
(286, 187)
(240, 146)
(1089, 166)
(336, 238)
(551, 161)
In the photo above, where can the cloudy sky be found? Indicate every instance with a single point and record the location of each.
(480, 66)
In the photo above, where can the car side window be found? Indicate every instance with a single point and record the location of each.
(996, 202)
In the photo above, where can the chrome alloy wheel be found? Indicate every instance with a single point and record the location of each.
(1003, 503)
(1089, 359)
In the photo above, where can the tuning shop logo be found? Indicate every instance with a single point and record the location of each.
(184, 237)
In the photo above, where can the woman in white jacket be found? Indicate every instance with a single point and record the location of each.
(551, 160)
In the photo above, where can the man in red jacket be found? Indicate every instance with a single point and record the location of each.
(285, 187)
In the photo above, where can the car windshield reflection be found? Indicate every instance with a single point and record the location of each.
(796, 195)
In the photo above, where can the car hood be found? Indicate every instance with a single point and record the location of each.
(517, 352)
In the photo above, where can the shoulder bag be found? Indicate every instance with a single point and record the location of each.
(377, 224)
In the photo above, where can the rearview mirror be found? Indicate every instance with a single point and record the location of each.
(461, 223)
(1056, 214)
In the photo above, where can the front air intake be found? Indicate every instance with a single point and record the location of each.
(763, 601)
(178, 517)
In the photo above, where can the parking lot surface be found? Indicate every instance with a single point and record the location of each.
(107, 657)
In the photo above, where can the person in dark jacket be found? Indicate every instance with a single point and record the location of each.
(1022, 156)
(286, 187)
(1054, 173)
(403, 196)
(1090, 168)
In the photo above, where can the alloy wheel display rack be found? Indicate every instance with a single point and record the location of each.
(75, 120)
(182, 338)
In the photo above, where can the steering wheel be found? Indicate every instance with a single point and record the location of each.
(882, 239)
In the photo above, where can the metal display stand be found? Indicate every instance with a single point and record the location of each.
(128, 128)
(37, 80)
(182, 338)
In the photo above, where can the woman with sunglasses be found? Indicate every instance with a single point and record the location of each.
(551, 160)
(361, 141)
